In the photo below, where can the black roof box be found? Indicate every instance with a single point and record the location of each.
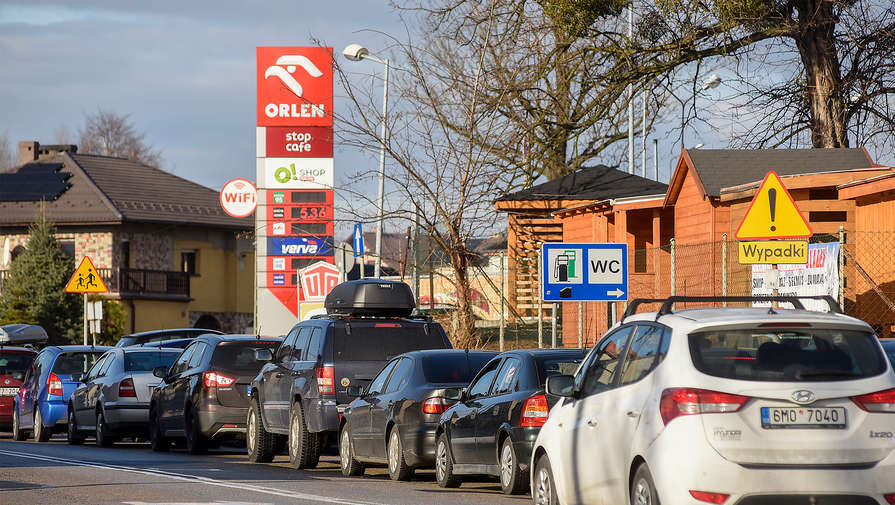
(18, 334)
(370, 297)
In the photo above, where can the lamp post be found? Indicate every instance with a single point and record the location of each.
(357, 52)
(712, 82)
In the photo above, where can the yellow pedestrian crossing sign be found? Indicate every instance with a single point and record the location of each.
(85, 279)
(772, 214)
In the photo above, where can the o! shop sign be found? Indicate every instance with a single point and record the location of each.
(298, 173)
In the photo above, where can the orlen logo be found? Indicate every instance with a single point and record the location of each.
(295, 86)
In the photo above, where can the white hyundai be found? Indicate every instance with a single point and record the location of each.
(745, 406)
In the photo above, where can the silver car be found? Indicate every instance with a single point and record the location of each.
(112, 399)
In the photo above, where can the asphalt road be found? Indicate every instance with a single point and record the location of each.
(56, 473)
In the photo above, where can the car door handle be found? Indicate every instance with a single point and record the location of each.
(632, 414)
(592, 422)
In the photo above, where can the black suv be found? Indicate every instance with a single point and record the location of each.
(299, 397)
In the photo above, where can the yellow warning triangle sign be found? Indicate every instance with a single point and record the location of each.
(772, 214)
(85, 279)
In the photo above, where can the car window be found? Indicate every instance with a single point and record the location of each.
(15, 363)
(401, 376)
(110, 358)
(381, 341)
(94, 370)
(562, 364)
(243, 356)
(787, 354)
(378, 382)
(78, 362)
(43, 363)
(459, 368)
(284, 352)
(183, 359)
(301, 344)
(506, 378)
(644, 353)
(482, 384)
(198, 354)
(146, 361)
(313, 349)
(597, 376)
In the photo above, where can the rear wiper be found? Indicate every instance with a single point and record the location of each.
(804, 374)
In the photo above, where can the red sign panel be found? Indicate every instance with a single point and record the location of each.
(295, 86)
(293, 228)
(318, 280)
(299, 142)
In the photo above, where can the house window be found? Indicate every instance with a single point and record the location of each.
(68, 247)
(125, 254)
(188, 261)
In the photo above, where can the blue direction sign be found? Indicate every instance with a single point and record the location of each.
(584, 272)
(358, 240)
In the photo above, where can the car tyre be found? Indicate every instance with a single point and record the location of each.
(196, 443)
(280, 443)
(544, 492)
(18, 434)
(444, 465)
(41, 433)
(260, 443)
(512, 478)
(350, 466)
(104, 436)
(397, 466)
(157, 441)
(643, 489)
(304, 447)
(75, 437)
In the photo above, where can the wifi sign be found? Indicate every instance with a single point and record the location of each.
(239, 198)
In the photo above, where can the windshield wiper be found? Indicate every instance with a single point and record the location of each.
(805, 374)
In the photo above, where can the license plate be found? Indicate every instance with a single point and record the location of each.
(8, 391)
(803, 417)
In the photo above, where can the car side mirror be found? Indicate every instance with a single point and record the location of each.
(455, 394)
(160, 371)
(355, 391)
(560, 385)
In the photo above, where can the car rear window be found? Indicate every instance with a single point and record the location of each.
(75, 362)
(14, 364)
(787, 354)
(557, 365)
(384, 341)
(453, 368)
(241, 356)
(142, 361)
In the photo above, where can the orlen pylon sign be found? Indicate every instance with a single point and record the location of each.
(294, 221)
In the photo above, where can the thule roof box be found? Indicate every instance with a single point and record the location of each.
(20, 334)
(370, 297)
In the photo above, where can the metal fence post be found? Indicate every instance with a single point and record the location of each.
(553, 329)
(580, 325)
(540, 304)
(673, 261)
(842, 268)
(502, 319)
(724, 266)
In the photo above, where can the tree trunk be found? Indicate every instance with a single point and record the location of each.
(558, 134)
(465, 336)
(815, 40)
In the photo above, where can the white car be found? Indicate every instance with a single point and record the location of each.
(744, 406)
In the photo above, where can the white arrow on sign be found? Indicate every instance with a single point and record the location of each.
(617, 292)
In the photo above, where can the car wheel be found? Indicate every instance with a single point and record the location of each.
(544, 492)
(397, 466)
(259, 443)
(512, 479)
(350, 466)
(104, 436)
(18, 434)
(304, 447)
(41, 433)
(444, 465)
(75, 437)
(195, 440)
(643, 490)
(158, 442)
(280, 443)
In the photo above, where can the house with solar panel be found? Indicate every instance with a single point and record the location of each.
(162, 244)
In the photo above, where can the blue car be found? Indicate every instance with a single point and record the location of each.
(41, 405)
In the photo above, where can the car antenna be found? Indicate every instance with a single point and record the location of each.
(258, 334)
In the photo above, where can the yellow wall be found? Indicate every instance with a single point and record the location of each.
(224, 282)
(155, 315)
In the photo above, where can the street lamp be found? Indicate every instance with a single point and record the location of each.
(357, 52)
(712, 82)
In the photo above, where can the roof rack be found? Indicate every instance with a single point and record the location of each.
(668, 303)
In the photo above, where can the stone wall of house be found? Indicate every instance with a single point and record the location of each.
(231, 322)
(150, 251)
(97, 245)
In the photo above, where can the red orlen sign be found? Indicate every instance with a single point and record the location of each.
(299, 142)
(317, 280)
(295, 86)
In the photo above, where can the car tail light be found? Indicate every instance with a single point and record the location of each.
(54, 385)
(435, 405)
(890, 498)
(326, 383)
(881, 401)
(690, 401)
(214, 379)
(534, 411)
(709, 497)
(126, 389)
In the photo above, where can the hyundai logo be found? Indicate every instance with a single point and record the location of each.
(803, 397)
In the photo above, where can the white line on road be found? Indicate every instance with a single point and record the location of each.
(193, 478)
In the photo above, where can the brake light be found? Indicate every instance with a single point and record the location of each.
(881, 401)
(890, 498)
(691, 401)
(126, 389)
(326, 384)
(54, 385)
(710, 497)
(214, 379)
(435, 405)
(387, 325)
(534, 411)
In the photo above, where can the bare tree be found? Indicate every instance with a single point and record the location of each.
(8, 157)
(112, 134)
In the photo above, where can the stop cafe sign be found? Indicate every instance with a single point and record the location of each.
(239, 198)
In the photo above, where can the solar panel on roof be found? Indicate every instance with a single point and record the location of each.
(34, 182)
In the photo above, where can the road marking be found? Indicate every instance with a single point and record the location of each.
(195, 503)
(193, 478)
